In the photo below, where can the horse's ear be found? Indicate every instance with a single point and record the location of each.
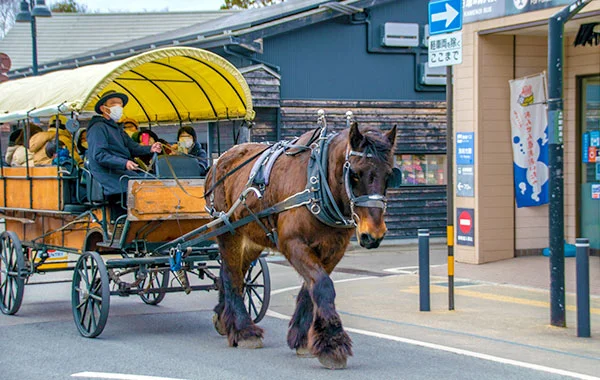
(391, 135)
(355, 136)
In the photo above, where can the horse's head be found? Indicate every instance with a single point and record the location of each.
(368, 171)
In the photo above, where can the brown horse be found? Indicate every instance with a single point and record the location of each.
(359, 162)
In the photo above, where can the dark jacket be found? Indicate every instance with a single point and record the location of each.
(109, 149)
(200, 155)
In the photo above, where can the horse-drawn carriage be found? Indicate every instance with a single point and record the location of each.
(305, 198)
(52, 213)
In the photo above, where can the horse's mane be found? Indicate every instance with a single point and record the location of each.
(375, 143)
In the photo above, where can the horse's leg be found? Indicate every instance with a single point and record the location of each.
(297, 337)
(217, 317)
(326, 337)
(241, 330)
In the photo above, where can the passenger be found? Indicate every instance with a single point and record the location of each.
(81, 142)
(16, 153)
(187, 143)
(111, 150)
(130, 126)
(59, 156)
(39, 141)
(149, 137)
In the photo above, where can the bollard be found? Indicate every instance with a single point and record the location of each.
(424, 270)
(583, 287)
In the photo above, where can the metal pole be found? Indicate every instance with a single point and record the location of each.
(583, 288)
(34, 64)
(556, 25)
(450, 185)
(424, 304)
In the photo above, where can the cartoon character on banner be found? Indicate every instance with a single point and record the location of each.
(530, 151)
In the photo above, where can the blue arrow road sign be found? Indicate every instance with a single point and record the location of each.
(445, 16)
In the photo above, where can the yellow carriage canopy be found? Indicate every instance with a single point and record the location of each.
(174, 84)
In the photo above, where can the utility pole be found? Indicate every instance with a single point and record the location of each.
(556, 27)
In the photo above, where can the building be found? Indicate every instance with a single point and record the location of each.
(366, 56)
(504, 40)
(71, 34)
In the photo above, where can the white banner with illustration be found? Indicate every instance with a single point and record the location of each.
(529, 126)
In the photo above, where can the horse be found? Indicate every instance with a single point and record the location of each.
(359, 163)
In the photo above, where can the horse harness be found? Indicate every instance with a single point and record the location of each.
(317, 195)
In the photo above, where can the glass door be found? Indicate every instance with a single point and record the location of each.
(590, 163)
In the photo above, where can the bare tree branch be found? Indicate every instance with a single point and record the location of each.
(8, 11)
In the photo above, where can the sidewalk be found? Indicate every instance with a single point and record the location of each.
(501, 308)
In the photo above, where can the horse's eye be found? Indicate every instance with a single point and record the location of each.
(354, 177)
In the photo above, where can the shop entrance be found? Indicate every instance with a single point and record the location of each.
(589, 95)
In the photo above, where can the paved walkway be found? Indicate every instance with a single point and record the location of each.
(502, 309)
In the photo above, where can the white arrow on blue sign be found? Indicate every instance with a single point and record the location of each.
(445, 16)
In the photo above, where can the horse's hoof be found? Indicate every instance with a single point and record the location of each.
(303, 352)
(251, 343)
(219, 325)
(328, 362)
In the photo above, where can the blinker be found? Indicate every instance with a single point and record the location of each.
(395, 179)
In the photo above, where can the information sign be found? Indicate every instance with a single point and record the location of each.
(445, 49)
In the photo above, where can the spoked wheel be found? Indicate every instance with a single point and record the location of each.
(12, 270)
(90, 295)
(155, 280)
(257, 290)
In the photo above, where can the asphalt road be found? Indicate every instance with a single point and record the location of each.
(176, 340)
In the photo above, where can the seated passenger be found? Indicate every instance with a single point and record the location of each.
(130, 126)
(148, 137)
(38, 142)
(187, 143)
(16, 153)
(81, 143)
(111, 150)
(59, 155)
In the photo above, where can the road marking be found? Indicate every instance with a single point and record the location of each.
(409, 270)
(119, 376)
(440, 347)
(495, 297)
(283, 290)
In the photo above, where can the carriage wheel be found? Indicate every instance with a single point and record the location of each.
(90, 295)
(12, 269)
(154, 280)
(257, 289)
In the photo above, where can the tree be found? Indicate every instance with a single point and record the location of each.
(68, 6)
(8, 11)
(245, 4)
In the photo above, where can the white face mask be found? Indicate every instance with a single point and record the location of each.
(186, 142)
(116, 112)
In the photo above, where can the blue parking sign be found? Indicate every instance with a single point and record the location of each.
(445, 16)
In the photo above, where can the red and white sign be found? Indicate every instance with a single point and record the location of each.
(465, 223)
(465, 234)
(4, 63)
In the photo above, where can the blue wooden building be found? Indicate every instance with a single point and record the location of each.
(366, 56)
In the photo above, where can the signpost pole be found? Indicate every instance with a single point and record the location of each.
(450, 185)
(445, 49)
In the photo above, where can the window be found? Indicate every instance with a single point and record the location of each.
(422, 169)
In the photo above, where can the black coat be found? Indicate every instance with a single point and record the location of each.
(109, 149)
(200, 155)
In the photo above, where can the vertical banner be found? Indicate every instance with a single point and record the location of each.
(529, 128)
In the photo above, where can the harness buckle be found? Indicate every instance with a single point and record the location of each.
(315, 209)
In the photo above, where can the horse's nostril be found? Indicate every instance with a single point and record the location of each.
(365, 238)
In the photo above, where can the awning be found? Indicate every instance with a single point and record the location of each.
(165, 85)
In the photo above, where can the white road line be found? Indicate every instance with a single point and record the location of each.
(440, 347)
(118, 376)
(283, 290)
